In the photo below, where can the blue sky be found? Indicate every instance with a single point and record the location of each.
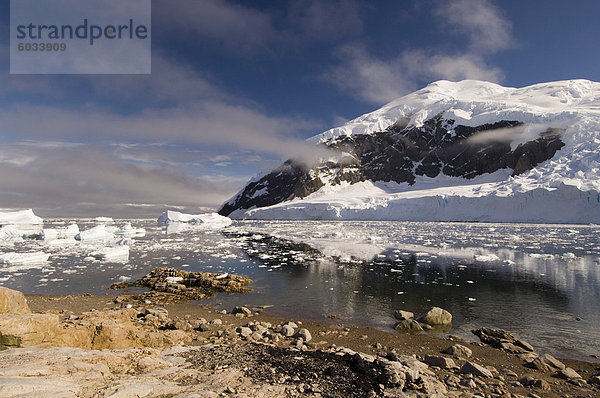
(237, 86)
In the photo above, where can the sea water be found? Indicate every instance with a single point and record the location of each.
(539, 281)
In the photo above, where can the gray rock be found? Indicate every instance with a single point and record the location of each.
(216, 321)
(568, 374)
(244, 331)
(435, 316)
(156, 312)
(287, 331)
(452, 380)
(468, 383)
(553, 362)
(182, 325)
(525, 345)
(408, 326)
(304, 334)
(594, 380)
(476, 370)
(402, 315)
(459, 351)
(545, 363)
(439, 361)
(197, 322)
(241, 310)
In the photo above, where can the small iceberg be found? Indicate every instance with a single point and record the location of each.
(114, 254)
(23, 258)
(68, 232)
(99, 232)
(20, 224)
(199, 221)
(21, 217)
(127, 231)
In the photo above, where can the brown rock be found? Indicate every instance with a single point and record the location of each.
(408, 326)
(13, 302)
(402, 315)
(27, 330)
(435, 316)
(476, 370)
(439, 361)
(458, 350)
(568, 374)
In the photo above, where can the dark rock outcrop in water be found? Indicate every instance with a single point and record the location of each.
(190, 285)
(400, 154)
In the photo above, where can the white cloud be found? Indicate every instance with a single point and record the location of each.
(67, 175)
(487, 29)
(379, 80)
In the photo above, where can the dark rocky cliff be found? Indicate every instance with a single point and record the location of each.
(400, 154)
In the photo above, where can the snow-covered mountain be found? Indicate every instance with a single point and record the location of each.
(453, 151)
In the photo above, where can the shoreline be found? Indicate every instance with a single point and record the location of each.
(507, 380)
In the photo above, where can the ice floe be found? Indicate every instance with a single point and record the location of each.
(199, 221)
(24, 258)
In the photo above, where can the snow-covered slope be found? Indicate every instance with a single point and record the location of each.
(485, 153)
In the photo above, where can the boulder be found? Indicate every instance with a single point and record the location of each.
(494, 337)
(568, 374)
(475, 370)
(402, 315)
(408, 326)
(13, 302)
(26, 330)
(304, 334)
(435, 316)
(439, 361)
(459, 351)
(594, 380)
(286, 330)
(241, 310)
(545, 362)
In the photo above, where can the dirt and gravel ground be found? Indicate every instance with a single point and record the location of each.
(322, 368)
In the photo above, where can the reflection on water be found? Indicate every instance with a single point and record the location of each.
(540, 281)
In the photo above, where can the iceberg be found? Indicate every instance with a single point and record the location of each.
(127, 231)
(22, 217)
(23, 258)
(61, 233)
(10, 233)
(203, 221)
(114, 254)
(99, 232)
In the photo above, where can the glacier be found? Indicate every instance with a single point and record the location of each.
(562, 189)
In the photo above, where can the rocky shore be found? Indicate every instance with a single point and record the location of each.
(149, 345)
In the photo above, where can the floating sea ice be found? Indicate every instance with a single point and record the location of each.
(104, 220)
(99, 232)
(10, 233)
(23, 258)
(116, 254)
(127, 231)
(487, 257)
(208, 220)
(60, 233)
(62, 242)
(568, 256)
(23, 217)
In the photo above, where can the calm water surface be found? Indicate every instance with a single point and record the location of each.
(540, 281)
